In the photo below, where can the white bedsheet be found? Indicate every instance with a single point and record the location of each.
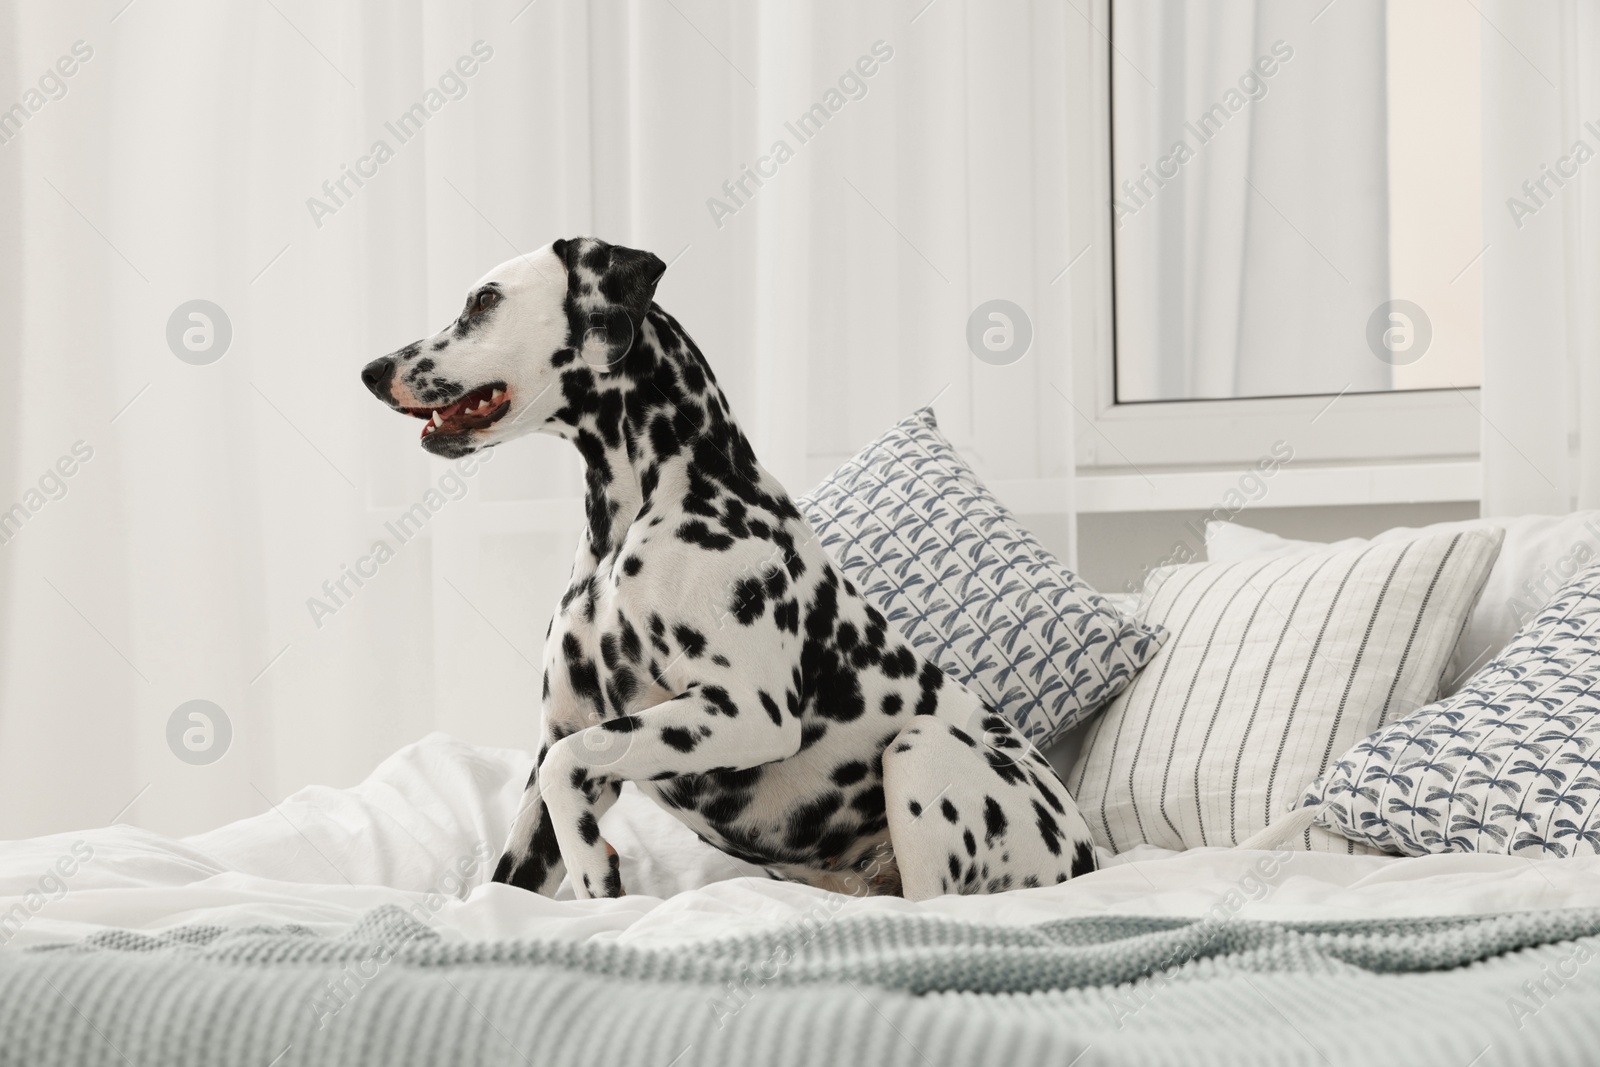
(425, 829)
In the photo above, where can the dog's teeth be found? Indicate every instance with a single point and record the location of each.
(481, 405)
(437, 419)
(498, 393)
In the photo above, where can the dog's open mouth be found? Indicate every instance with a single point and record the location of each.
(480, 408)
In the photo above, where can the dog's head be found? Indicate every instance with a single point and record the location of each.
(495, 372)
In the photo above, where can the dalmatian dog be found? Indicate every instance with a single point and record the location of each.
(707, 649)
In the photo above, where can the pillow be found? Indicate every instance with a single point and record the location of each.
(1511, 764)
(1540, 553)
(1229, 541)
(1274, 666)
(929, 546)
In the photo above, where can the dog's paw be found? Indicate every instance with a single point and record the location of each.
(598, 881)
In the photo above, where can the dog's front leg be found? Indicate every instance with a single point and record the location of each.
(707, 728)
(531, 859)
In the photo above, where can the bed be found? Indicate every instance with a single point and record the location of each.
(355, 926)
(360, 926)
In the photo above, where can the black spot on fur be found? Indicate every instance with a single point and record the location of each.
(1083, 860)
(543, 855)
(900, 663)
(807, 822)
(719, 700)
(1004, 766)
(994, 821)
(811, 733)
(630, 643)
(786, 616)
(931, 680)
(849, 773)
(823, 609)
(749, 601)
(679, 738)
(696, 532)
(835, 689)
(870, 803)
(622, 688)
(582, 674)
(692, 641)
(726, 807)
(1049, 829)
(1049, 794)
(574, 590)
(588, 828)
(949, 811)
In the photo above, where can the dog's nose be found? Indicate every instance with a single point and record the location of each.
(377, 375)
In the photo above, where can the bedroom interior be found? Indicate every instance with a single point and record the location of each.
(1212, 389)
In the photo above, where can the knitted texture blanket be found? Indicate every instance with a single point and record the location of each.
(1516, 988)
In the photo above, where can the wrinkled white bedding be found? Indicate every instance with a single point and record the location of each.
(424, 831)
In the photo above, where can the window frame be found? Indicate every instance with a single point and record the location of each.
(1414, 428)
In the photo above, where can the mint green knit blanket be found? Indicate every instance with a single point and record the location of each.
(1459, 992)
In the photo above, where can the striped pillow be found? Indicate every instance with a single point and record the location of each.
(1275, 665)
(909, 522)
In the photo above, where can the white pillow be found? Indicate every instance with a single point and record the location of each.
(1272, 667)
(1541, 552)
(1227, 542)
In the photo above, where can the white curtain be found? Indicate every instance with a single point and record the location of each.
(1251, 195)
(1541, 318)
(185, 158)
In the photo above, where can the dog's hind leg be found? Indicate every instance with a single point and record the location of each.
(978, 814)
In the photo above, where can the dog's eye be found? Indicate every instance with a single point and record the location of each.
(482, 301)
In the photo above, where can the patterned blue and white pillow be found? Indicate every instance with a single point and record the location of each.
(911, 525)
(1509, 764)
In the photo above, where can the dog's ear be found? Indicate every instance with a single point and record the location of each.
(609, 289)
